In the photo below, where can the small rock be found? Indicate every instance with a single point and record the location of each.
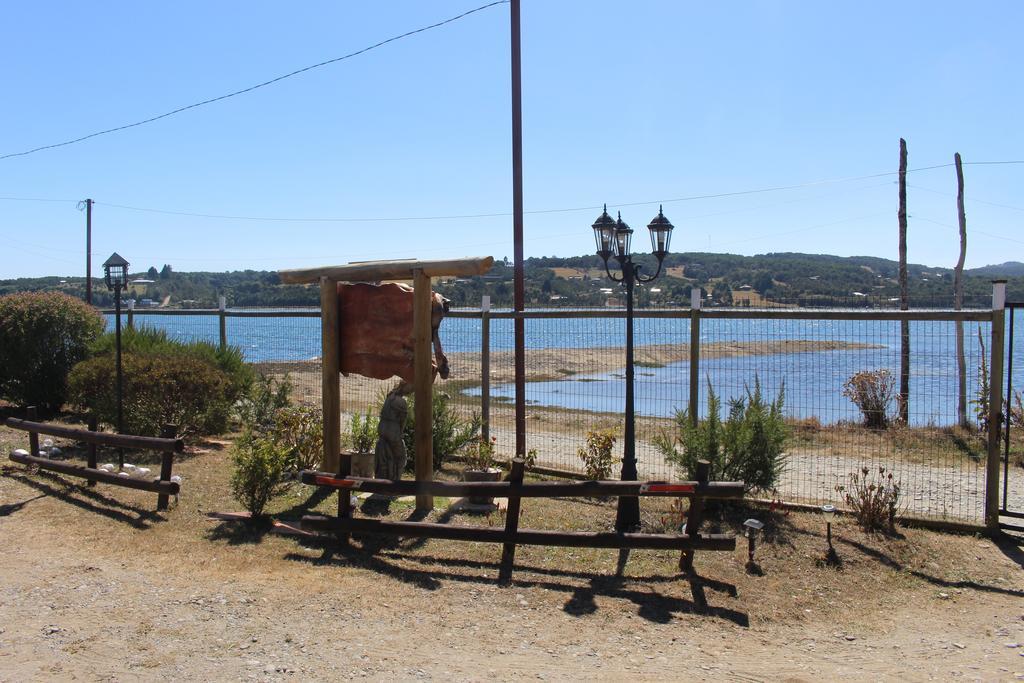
(944, 596)
(1012, 645)
(959, 646)
(851, 638)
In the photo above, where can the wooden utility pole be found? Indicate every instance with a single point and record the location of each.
(958, 296)
(904, 397)
(519, 294)
(88, 251)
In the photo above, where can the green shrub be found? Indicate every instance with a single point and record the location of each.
(597, 454)
(176, 389)
(256, 408)
(362, 432)
(42, 336)
(143, 340)
(747, 447)
(450, 432)
(872, 392)
(299, 430)
(259, 466)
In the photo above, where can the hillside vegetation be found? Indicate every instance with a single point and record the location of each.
(726, 279)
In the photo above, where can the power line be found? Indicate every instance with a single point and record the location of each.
(257, 86)
(597, 207)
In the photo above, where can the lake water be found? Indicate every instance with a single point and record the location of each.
(813, 381)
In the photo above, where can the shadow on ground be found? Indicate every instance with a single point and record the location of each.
(91, 500)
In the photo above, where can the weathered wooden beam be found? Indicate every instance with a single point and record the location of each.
(508, 552)
(148, 443)
(154, 485)
(372, 271)
(571, 539)
(536, 489)
(330, 366)
(423, 374)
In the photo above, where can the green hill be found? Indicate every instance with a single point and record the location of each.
(787, 278)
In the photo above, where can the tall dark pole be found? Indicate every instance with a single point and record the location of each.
(519, 294)
(627, 516)
(88, 251)
(117, 351)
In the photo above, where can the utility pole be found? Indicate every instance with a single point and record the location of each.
(517, 230)
(88, 250)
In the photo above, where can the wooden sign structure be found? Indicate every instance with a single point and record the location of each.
(420, 272)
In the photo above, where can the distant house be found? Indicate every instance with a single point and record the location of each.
(140, 287)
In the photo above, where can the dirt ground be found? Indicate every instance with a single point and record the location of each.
(96, 586)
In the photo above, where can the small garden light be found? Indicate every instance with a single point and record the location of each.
(751, 528)
(115, 274)
(829, 513)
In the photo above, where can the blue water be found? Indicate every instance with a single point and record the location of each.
(813, 381)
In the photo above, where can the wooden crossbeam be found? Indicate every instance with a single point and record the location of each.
(537, 489)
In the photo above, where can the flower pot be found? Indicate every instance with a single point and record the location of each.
(490, 474)
(362, 464)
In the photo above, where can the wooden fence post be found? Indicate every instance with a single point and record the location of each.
(695, 305)
(91, 458)
(695, 515)
(33, 437)
(424, 380)
(131, 314)
(166, 463)
(330, 381)
(508, 552)
(485, 368)
(995, 405)
(222, 305)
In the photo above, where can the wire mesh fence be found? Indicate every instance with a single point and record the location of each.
(575, 364)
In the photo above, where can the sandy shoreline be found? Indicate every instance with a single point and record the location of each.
(556, 363)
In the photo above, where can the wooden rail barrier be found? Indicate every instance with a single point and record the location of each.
(168, 445)
(515, 489)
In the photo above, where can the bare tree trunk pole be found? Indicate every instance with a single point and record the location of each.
(958, 296)
(904, 397)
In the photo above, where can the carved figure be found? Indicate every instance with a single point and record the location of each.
(389, 455)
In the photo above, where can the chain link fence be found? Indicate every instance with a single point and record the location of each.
(575, 364)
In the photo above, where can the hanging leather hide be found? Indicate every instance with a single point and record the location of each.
(376, 335)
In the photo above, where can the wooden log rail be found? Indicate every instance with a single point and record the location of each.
(167, 445)
(514, 488)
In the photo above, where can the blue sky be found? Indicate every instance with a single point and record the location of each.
(623, 103)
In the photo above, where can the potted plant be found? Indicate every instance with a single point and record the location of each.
(481, 465)
(362, 436)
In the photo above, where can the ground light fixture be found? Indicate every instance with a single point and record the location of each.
(751, 528)
(828, 512)
(613, 238)
(115, 275)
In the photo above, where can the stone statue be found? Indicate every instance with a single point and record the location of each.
(390, 455)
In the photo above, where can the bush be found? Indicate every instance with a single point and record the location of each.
(480, 454)
(362, 432)
(143, 340)
(748, 447)
(872, 392)
(874, 501)
(178, 389)
(450, 432)
(42, 336)
(597, 454)
(259, 465)
(299, 430)
(256, 408)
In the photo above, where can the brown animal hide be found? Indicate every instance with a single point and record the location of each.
(376, 335)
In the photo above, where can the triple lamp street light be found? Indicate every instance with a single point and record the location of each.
(613, 239)
(115, 275)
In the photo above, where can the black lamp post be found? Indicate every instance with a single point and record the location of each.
(613, 239)
(115, 274)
